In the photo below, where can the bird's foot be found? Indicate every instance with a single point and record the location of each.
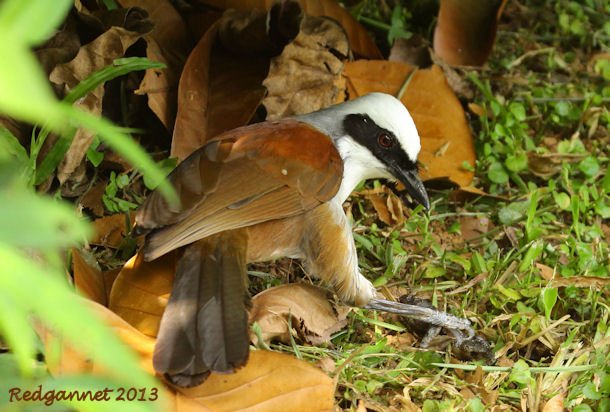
(429, 322)
(460, 327)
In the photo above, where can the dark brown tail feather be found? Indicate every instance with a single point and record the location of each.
(205, 325)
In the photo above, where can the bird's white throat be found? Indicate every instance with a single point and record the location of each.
(358, 164)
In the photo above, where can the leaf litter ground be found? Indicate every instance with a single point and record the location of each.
(518, 261)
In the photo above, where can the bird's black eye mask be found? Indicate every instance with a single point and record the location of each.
(381, 142)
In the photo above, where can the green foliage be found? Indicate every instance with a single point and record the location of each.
(35, 229)
(372, 14)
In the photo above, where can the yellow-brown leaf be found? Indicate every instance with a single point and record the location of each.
(141, 290)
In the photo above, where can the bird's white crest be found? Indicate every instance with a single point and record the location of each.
(385, 110)
(358, 162)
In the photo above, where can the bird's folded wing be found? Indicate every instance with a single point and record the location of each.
(246, 176)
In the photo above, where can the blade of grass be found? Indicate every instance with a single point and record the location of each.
(118, 68)
(533, 369)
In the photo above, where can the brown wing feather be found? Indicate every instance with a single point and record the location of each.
(246, 176)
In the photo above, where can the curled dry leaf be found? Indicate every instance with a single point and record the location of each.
(466, 30)
(359, 40)
(381, 207)
(446, 138)
(60, 48)
(305, 308)
(168, 43)
(92, 57)
(388, 206)
(88, 277)
(414, 51)
(20, 130)
(307, 75)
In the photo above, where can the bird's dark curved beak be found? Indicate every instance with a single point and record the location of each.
(414, 186)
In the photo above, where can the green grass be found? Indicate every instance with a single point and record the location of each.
(543, 153)
(545, 99)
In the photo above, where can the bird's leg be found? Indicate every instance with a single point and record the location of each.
(458, 326)
(330, 253)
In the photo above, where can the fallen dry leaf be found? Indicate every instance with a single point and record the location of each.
(88, 277)
(466, 30)
(474, 226)
(359, 40)
(304, 307)
(307, 75)
(111, 230)
(62, 359)
(141, 290)
(20, 130)
(381, 207)
(388, 206)
(414, 51)
(438, 115)
(220, 89)
(109, 277)
(92, 57)
(169, 43)
(599, 283)
(238, 68)
(191, 120)
(92, 199)
(60, 48)
(555, 404)
(546, 272)
(548, 165)
(269, 382)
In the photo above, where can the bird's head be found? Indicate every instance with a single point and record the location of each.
(376, 138)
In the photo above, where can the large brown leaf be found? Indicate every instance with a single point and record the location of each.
(141, 290)
(359, 40)
(169, 43)
(92, 57)
(220, 89)
(438, 115)
(269, 382)
(191, 120)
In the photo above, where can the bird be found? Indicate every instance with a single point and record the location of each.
(265, 191)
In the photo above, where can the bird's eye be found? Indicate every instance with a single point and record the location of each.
(385, 140)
